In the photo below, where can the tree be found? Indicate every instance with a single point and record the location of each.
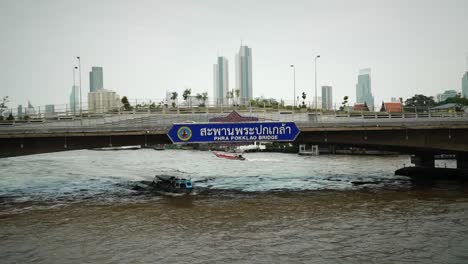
(229, 96)
(303, 99)
(237, 93)
(204, 97)
(455, 100)
(126, 104)
(3, 105)
(187, 94)
(419, 100)
(174, 98)
(199, 98)
(10, 117)
(344, 103)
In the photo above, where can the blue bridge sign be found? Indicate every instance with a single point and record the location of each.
(233, 132)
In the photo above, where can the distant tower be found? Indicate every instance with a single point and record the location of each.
(244, 73)
(96, 79)
(465, 80)
(327, 98)
(75, 99)
(220, 80)
(363, 89)
(20, 111)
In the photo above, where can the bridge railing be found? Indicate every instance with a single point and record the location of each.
(153, 121)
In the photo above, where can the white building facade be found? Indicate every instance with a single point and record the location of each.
(103, 101)
(327, 98)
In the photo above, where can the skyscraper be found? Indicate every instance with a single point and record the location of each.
(327, 98)
(363, 89)
(75, 99)
(220, 80)
(465, 84)
(95, 79)
(465, 81)
(244, 73)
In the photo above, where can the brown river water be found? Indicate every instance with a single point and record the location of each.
(83, 207)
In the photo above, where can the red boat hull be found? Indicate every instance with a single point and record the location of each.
(228, 156)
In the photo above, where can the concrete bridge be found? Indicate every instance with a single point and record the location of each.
(422, 135)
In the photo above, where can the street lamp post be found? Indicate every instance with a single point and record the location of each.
(81, 106)
(74, 92)
(294, 85)
(316, 57)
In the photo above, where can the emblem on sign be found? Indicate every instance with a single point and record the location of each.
(184, 133)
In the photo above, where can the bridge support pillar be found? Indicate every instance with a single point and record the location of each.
(426, 160)
(462, 160)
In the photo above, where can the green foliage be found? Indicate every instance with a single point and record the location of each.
(204, 96)
(455, 100)
(174, 98)
(187, 93)
(419, 100)
(264, 102)
(126, 104)
(3, 105)
(10, 117)
(344, 103)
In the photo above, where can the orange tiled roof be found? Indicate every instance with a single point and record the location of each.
(393, 107)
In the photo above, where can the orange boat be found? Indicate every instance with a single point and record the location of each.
(228, 156)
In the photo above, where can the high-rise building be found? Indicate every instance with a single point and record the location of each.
(446, 95)
(363, 89)
(244, 73)
(220, 81)
(327, 98)
(465, 84)
(464, 92)
(103, 101)
(50, 109)
(96, 81)
(74, 100)
(20, 111)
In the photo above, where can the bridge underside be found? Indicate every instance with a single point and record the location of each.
(401, 140)
(34, 145)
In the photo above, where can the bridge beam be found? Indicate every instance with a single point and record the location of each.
(462, 160)
(423, 159)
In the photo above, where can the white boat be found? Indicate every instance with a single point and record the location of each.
(119, 148)
(251, 147)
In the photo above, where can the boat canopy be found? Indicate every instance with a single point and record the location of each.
(165, 177)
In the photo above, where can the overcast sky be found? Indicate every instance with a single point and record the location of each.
(148, 47)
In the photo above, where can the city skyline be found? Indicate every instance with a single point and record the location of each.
(393, 40)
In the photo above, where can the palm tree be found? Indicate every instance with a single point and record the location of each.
(204, 97)
(237, 92)
(173, 98)
(199, 98)
(187, 94)
(229, 95)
